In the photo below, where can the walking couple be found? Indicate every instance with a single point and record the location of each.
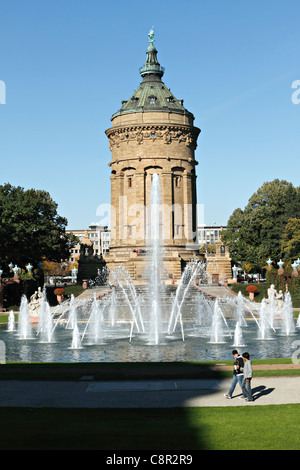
(242, 374)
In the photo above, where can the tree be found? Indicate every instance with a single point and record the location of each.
(290, 243)
(30, 228)
(254, 234)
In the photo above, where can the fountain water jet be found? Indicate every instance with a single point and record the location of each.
(121, 278)
(240, 309)
(264, 324)
(113, 311)
(217, 329)
(238, 336)
(76, 341)
(11, 321)
(72, 314)
(272, 310)
(45, 326)
(24, 325)
(188, 278)
(287, 316)
(154, 246)
(94, 328)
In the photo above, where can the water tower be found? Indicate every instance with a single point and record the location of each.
(152, 133)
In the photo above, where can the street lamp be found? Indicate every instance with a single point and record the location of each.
(29, 268)
(74, 274)
(295, 266)
(234, 271)
(280, 264)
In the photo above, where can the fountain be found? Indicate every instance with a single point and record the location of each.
(72, 314)
(76, 341)
(45, 325)
(94, 327)
(190, 274)
(11, 321)
(24, 325)
(238, 336)
(204, 310)
(159, 323)
(272, 309)
(287, 316)
(218, 322)
(155, 264)
(113, 308)
(240, 310)
(264, 324)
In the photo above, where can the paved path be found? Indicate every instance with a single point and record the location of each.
(87, 393)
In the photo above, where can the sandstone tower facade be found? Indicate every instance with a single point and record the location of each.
(152, 133)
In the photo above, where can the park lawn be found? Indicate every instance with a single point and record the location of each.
(274, 427)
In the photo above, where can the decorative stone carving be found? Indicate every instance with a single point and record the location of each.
(35, 302)
(139, 134)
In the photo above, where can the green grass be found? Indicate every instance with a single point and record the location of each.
(262, 290)
(250, 427)
(75, 290)
(271, 427)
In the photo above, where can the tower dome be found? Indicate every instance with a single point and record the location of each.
(152, 94)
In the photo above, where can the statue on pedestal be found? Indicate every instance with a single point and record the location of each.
(35, 302)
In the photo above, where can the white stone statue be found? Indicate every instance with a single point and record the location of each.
(279, 301)
(271, 291)
(35, 302)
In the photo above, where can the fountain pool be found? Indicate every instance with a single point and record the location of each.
(105, 330)
(155, 323)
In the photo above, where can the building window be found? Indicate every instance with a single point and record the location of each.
(177, 181)
(152, 99)
(130, 182)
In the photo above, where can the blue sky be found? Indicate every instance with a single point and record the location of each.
(68, 64)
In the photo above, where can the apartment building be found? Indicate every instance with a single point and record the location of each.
(99, 235)
(209, 234)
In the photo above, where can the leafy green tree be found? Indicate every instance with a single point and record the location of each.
(290, 243)
(254, 234)
(30, 228)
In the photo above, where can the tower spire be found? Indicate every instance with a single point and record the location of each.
(151, 66)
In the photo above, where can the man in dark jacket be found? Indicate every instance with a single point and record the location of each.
(238, 374)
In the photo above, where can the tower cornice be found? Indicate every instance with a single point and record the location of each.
(165, 133)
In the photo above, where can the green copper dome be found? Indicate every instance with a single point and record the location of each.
(152, 94)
